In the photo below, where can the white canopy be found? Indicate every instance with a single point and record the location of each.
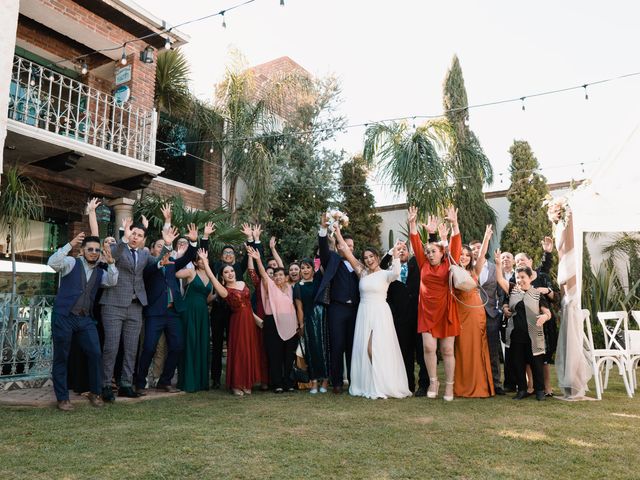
(611, 201)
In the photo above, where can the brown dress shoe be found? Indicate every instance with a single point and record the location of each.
(337, 390)
(167, 388)
(65, 405)
(141, 391)
(95, 400)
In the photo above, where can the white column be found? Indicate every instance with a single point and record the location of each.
(8, 28)
(123, 208)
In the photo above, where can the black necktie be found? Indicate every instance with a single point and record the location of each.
(135, 258)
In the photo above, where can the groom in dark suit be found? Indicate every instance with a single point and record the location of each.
(402, 298)
(339, 290)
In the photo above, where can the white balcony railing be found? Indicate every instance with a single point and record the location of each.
(50, 101)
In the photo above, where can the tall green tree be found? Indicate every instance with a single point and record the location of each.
(528, 222)
(359, 204)
(306, 172)
(469, 166)
(20, 203)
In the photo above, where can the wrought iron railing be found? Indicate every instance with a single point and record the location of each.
(50, 101)
(25, 336)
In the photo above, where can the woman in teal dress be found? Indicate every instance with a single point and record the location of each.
(312, 317)
(193, 368)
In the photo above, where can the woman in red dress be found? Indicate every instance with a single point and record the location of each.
(244, 346)
(437, 313)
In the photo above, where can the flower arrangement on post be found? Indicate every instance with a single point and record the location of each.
(336, 216)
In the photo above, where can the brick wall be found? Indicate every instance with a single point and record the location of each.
(143, 75)
(190, 198)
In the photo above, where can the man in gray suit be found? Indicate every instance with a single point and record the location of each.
(488, 283)
(122, 304)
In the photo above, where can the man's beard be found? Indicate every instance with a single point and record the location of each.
(90, 262)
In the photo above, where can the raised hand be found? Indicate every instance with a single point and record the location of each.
(443, 231)
(547, 244)
(165, 260)
(452, 214)
(169, 236)
(166, 212)
(247, 231)
(77, 240)
(253, 253)
(145, 221)
(106, 255)
(432, 223)
(496, 257)
(93, 204)
(182, 249)
(412, 215)
(127, 223)
(272, 243)
(204, 255)
(192, 234)
(324, 221)
(488, 232)
(257, 231)
(209, 228)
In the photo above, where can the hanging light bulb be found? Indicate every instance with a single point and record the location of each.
(246, 150)
(32, 82)
(586, 95)
(289, 195)
(429, 191)
(522, 99)
(184, 154)
(211, 149)
(123, 58)
(167, 43)
(582, 166)
(85, 68)
(51, 77)
(281, 146)
(464, 187)
(224, 23)
(500, 178)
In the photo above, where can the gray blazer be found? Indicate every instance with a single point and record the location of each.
(130, 282)
(490, 286)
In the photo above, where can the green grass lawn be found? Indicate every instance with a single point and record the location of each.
(215, 435)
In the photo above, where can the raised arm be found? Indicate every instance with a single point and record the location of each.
(348, 254)
(483, 250)
(504, 285)
(60, 261)
(416, 242)
(547, 258)
(217, 286)
(394, 273)
(93, 219)
(323, 242)
(253, 253)
(274, 252)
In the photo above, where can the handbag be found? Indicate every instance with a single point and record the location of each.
(300, 370)
(459, 277)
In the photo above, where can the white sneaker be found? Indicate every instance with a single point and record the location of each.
(323, 390)
(313, 391)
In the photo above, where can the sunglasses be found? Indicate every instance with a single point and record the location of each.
(93, 250)
(228, 252)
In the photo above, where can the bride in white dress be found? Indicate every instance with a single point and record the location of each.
(572, 366)
(377, 367)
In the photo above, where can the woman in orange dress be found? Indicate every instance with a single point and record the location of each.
(473, 365)
(437, 313)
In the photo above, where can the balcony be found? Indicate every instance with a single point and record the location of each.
(61, 124)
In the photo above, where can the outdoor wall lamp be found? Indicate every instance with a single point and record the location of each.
(146, 56)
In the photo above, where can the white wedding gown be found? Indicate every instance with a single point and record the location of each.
(572, 366)
(384, 375)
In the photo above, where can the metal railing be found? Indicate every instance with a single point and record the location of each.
(25, 336)
(50, 101)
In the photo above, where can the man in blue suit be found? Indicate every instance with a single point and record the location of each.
(339, 290)
(162, 312)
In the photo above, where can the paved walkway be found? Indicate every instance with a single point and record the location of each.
(45, 397)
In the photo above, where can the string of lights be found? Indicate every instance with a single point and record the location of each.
(163, 32)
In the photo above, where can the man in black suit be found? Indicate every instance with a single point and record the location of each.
(339, 289)
(402, 298)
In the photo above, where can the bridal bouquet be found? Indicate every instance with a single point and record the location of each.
(557, 208)
(336, 216)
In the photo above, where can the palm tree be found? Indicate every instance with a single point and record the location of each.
(172, 95)
(20, 203)
(413, 161)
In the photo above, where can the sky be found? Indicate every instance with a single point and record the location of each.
(391, 58)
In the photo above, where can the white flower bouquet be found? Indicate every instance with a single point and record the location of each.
(334, 217)
(557, 208)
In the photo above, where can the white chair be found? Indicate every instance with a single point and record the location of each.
(589, 351)
(614, 328)
(633, 349)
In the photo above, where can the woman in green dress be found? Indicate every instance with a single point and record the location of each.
(312, 318)
(193, 368)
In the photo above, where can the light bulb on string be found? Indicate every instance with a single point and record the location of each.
(464, 187)
(522, 99)
(224, 23)
(582, 166)
(281, 146)
(586, 94)
(211, 149)
(167, 43)
(85, 68)
(51, 77)
(288, 195)
(246, 150)
(123, 58)
(500, 178)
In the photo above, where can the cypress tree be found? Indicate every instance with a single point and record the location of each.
(469, 166)
(359, 204)
(528, 222)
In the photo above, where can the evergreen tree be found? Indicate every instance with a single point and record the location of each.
(528, 222)
(469, 166)
(359, 204)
